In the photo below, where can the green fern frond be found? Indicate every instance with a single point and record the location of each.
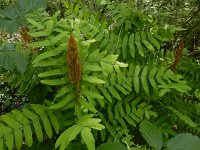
(17, 126)
(122, 114)
(157, 78)
(83, 127)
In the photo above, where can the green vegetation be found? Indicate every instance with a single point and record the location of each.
(83, 74)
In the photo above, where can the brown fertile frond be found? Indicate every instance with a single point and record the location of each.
(74, 65)
(179, 51)
(24, 34)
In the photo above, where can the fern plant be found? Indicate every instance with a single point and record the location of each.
(103, 73)
(18, 125)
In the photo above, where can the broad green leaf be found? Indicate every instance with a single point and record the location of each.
(121, 88)
(63, 102)
(106, 68)
(112, 146)
(140, 49)
(106, 94)
(127, 86)
(88, 105)
(88, 42)
(145, 42)
(137, 37)
(122, 122)
(11, 59)
(144, 80)
(44, 55)
(10, 12)
(50, 25)
(169, 74)
(128, 108)
(151, 134)
(114, 92)
(124, 46)
(54, 82)
(28, 134)
(43, 116)
(147, 114)
(151, 78)
(92, 123)
(5, 129)
(18, 137)
(37, 34)
(121, 64)
(30, 5)
(26, 129)
(56, 39)
(45, 63)
(54, 121)
(92, 79)
(11, 26)
(36, 24)
(63, 91)
(131, 45)
(157, 36)
(10, 122)
(9, 141)
(47, 126)
(1, 141)
(184, 141)
(153, 40)
(38, 130)
(116, 112)
(67, 136)
(76, 9)
(134, 117)
(36, 123)
(136, 81)
(90, 67)
(143, 35)
(110, 112)
(91, 94)
(148, 45)
(163, 92)
(88, 138)
(159, 76)
(130, 121)
(40, 44)
(92, 56)
(15, 16)
(85, 118)
(121, 109)
(51, 73)
(110, 129)
(111, 58)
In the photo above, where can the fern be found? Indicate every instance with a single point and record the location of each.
(120, 115)
(83, 126)
(157, 78)
(185, 118)
(17, 126)
(107, 69)
(101, 77)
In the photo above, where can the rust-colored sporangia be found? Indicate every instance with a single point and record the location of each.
(24, 34)
(179, 51)
(74, 65)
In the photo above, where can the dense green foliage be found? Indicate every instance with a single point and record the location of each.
(102, 75)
